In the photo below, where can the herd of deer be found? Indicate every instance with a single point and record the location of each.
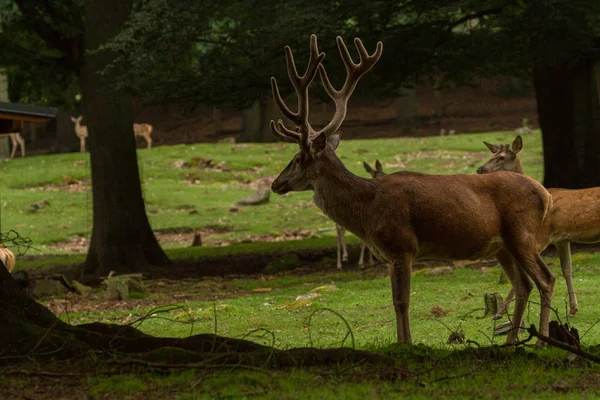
(405, 216)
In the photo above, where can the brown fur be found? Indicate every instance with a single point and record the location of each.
(406, 216)
(7, 258)
(575, 214)
(342, 250)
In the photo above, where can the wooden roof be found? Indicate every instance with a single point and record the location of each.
(26, 112)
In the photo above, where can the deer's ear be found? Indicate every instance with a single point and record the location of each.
(318, 144)
(517, 144)
(378, 166)
(334, 140)
(73, 119)
(494, 148)
(368, 167)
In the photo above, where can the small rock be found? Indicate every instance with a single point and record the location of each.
(261, 196)
(308, 296)
(80, 288)
(326, 288)
(234, 209)
(438, 271)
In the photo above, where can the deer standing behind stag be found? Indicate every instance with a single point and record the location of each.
(574, 218)
(342, 250)
(141, 130)
(405, 216)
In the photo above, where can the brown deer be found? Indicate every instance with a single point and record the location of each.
(342, 251)
(574, 218)
(405, 216)
(143, 130)
(16, 140)
(81, 132)
(7, 258)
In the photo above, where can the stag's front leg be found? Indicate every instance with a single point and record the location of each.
(564, 253)
(400, 275)
(361, 259)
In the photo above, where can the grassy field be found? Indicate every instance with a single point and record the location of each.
(350, 308)
(184, 199)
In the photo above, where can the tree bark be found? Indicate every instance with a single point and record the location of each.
(569, 116)
(406, 106)
(122, 239)
(256, 121)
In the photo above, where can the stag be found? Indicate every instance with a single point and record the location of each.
(405, 216)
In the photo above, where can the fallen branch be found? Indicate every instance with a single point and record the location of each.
(561, 345)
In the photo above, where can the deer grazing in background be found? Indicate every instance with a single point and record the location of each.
(7, 258)
(405, 216)
(16, 140)
(342, 251)
(574, 218)
(142, 130)
(81, 132)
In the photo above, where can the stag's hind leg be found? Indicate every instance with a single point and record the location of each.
(530, 261)
(521, 287)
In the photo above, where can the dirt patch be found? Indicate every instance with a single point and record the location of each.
(184, 237)
(69, 185)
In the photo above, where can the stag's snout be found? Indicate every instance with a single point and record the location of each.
(480, 170)
(278, 187)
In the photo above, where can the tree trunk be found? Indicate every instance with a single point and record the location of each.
(406, 106)
(256, 121)
(122, 239)
(216, 121)
(569, 116)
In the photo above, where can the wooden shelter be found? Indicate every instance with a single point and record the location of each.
(13, 117)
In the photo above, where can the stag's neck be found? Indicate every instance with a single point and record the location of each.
(343, 196)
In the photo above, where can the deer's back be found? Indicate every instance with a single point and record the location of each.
(575, 215)
(455, 216)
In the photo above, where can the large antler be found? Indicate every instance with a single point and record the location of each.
(353, 74)
(300, 84)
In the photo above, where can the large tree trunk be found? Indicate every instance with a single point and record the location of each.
(122, 239)
(569, 116)
(256, 121)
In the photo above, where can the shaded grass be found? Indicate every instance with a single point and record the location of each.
(169, 197)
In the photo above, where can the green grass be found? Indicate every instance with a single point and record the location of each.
(169, 198)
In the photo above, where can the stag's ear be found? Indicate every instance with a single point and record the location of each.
(517, 144)
(494, 148)
(378, 166)
(368, 168)
(334, 140)
(73, 119)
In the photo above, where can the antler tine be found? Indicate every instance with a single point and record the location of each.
(353, 74)
(300, 84)
(284, 134)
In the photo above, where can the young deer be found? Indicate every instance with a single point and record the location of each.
(142, 130)
(574, 218)
(81, 132)
(342, 251)
(405, 216)
(7, 258)
(16, 140)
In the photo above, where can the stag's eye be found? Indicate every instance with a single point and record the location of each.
(501, 158)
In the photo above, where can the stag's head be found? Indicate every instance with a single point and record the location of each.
(505, 157)
(315, 146)
(77, 120)
(375, 173)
